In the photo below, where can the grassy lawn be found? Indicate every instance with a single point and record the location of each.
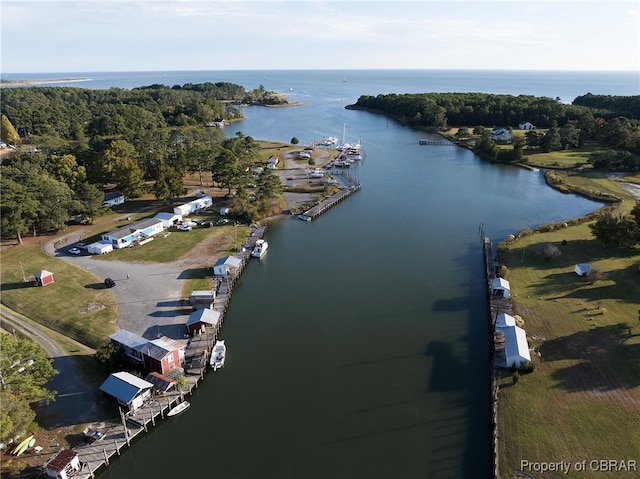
(587, 379)
(75, 305)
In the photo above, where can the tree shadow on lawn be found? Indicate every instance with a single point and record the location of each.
(196, 273)
(607, 360)
(626, 286)
(20, 285)
(572, 253)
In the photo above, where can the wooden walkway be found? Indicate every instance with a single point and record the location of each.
(495, 305)
(424, 141)
(349, 186)
(197, 355)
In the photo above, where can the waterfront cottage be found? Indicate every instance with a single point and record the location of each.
(130, 343)
(202, 299)
(203, 318)
(226, 265)
(160, 358)
(160, 382)
(500, 287)
(63, 465)
(515, 348)
(129, 391)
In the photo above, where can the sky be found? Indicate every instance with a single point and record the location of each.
(161, 35)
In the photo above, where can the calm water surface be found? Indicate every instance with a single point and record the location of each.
(358, 345)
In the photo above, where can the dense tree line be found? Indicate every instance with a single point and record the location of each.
(24, 373)
(81, 140)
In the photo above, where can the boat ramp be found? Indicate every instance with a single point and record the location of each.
(118, 435)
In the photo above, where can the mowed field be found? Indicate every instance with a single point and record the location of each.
(582, 402)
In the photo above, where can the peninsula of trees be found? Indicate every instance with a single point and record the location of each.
(69, 143)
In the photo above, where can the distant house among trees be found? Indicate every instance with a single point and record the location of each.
(113, 198)
(501, 134)
(525, 125)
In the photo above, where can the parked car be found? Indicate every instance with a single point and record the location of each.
(222, 221)
(109, 283)
(206, 224)
(185, 227)
(75, 251)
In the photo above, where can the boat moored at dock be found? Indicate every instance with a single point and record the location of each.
(174, 411)
(260, 248)
(218, 355)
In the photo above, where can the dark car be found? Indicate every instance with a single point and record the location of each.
(109, 283)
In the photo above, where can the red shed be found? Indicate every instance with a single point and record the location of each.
(44, 278)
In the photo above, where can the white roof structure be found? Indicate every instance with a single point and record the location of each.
(516, 346)
(504, 319)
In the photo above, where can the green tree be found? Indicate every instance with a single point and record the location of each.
(294, 141)
(8, 132)
(168, 184)
(24, 372)
(19, 209)
(616, 231)
(91, 198)
(65, 168)
(226, 169)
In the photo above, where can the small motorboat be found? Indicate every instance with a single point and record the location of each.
(260, 249)
(218, 355)
(178, 408)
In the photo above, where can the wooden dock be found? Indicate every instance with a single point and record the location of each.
(495, 304)
(197, 355)
(349, 186)
(424, 141)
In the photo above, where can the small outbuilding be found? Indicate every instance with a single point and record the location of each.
(100, 247)
(516, 348)
(43, 278)
(226, 265)
(202, 299)
(500, 287)
(128, 390)
(113, 198)
(168, 219)
(160, 382)
(224, 211)
(202, 319)
(63, 465)
(582, 269)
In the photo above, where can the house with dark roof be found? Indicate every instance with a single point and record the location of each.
(63, 465)
(129, 391)
(113, 198)
(161, 383)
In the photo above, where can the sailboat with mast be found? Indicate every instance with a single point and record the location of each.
(349, 152)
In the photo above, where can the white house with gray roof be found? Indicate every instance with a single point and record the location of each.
(134, 233)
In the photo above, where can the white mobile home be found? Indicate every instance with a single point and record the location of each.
(134, 233)
(193, 206)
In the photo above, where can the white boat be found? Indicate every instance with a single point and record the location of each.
(178, 409)
(260, 249)
(316, 173)
(218, 355)
(304, 217)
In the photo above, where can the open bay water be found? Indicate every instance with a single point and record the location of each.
(358, 346)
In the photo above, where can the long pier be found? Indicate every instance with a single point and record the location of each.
(495, 304)
(117, 436)
(424, 141)
(349, 186)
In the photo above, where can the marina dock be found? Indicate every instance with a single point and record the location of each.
(118, 435)
(496, 304)
(349, 186)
